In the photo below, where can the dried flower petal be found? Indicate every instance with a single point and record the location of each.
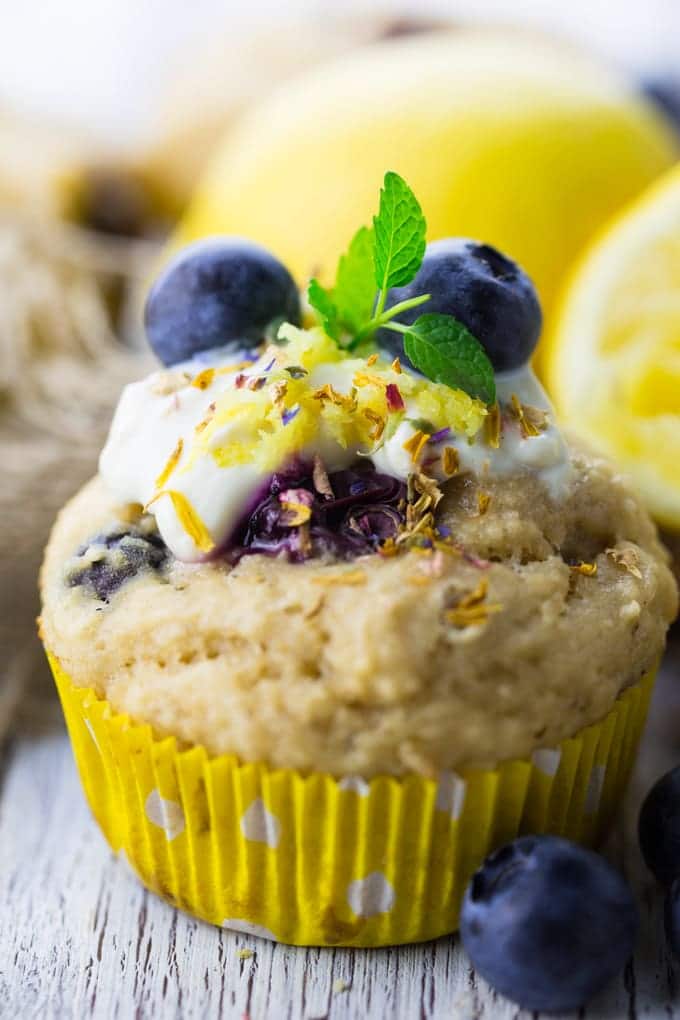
(395, 401)
(169, 382)
(626, 558)
(492, 426)
(472, 609)
(532, 420)
(328, 392)
(294, 514)
(367, 379)
(428, 486)
(450, 461)
(378, 423)
(289, 413)
(587, 569)
(188, 518)
(483, 500)
(442, 434)
(208, 418)
(278, 391)
(171, 464)
(203, 379)
(414, 445)
(320, 478)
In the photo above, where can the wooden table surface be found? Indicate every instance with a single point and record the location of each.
(79, 937)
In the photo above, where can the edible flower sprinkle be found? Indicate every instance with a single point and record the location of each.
(626, 558)
(587, 569)
(171, 464)
(203, 379)
(450, 461)
(473, 609)
(532, 420)
(414, 445)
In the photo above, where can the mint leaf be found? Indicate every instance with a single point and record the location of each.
(321, 300)
(354, 291)
(445, 351)
(399, 234)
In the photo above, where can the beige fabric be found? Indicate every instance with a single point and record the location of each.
(61, 369)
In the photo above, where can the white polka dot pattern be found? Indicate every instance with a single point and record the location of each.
(594, 790)
(166, 814)
(450, 794)
(355, 784)
(370, 895)
(259, 825)
(547, 760)
(248, 928)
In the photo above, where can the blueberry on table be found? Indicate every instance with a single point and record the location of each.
(659, 828)
(220, 292)
(672, 918)
(480, 287)
(548, 923)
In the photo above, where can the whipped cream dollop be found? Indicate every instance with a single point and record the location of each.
(196, 445)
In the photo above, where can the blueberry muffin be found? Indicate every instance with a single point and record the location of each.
(350, 576)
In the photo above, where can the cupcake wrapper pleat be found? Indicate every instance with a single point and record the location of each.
(312, 860)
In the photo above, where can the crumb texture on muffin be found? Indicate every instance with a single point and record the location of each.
(415, 662)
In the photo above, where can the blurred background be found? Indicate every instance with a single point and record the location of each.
(127, 128)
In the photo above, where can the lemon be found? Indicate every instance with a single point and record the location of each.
(507, 138)
(613, 361)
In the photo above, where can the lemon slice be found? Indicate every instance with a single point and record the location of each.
(613, 361)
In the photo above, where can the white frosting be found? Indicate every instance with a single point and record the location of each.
(150, 421)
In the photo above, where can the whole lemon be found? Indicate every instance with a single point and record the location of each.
(507, 138)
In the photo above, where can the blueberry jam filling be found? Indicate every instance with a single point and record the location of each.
(307, 513)
(107, 560)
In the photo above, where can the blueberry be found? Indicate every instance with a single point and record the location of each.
(665, 92)
(121, 555)
(548, 923)
(659, 827)
(219, 292)
(672, 918)
(484, 290)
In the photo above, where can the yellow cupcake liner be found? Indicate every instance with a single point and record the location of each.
(312, 860)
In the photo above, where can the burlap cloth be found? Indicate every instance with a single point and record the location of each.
(62, 364)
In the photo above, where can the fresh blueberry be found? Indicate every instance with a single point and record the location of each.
(120, 554)
(672, 918)
(548, 923)
(659, 827)
(665, 92)
(219, 292)
(484, 290)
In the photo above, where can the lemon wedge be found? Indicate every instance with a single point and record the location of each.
(613, 360)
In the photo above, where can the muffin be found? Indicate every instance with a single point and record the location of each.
(343, 609)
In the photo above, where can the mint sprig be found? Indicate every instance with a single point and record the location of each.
(399, 231)
(446, 352)
(354, 291)
(389, 255)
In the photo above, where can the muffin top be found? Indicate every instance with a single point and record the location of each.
(361, 547)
